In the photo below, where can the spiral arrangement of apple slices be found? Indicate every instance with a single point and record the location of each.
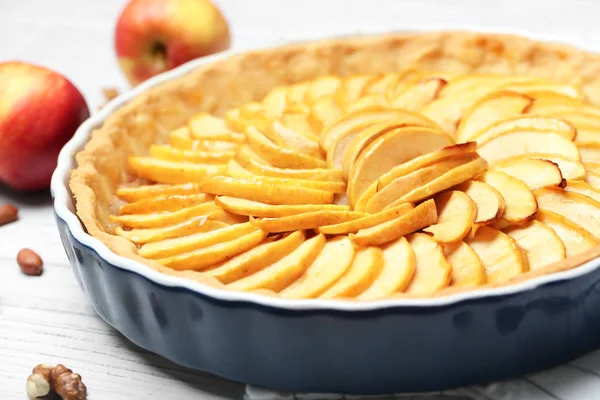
(372, 186)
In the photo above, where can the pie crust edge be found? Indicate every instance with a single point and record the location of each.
(215, 87)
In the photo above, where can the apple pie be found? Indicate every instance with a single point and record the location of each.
(357, 168)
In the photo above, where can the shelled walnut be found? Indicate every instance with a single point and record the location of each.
(48, 382)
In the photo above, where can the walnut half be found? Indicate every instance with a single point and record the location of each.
(47, 382)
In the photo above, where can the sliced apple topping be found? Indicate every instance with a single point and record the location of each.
(256, 259)
(424, 215)
(542, 246)
(331, 263)
(389, 150)
(307, 220)
(519, 203)
(456, 215)
(488, 201)
(534, 172)
(495, 107)
(575, 239)
(499, 253)
(432, 272)
(467, 268)
(399, 265)
(258, 209)
(285, 271)
(575, 207)
(354, 187)
(519, 143)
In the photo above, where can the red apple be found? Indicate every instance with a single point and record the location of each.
(40, 111)
(153, 36)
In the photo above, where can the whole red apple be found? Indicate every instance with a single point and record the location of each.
(153, 36)
(40, 111)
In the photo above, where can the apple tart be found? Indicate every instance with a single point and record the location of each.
(458, 161)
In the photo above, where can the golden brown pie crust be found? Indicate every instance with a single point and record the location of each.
(233, 81)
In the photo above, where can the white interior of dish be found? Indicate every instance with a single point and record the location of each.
(64, 207)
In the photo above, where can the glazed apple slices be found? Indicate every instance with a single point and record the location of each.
(534, 172)
(501, 256)
(205, 126)
(541, 245)
(570, 169)
(467, 268)
(456, 215)
(577, 208)
(575, 239)
(389, 150)
(489, 203)
(497, 106)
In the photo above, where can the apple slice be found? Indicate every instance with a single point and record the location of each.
(583, 188)
(500, 255)
(253, 260)
(433, 272)
(534, 172)
(525, 123)
(587, 125)
(181, 139)
(403, 185)
(299, 122)
(335, 259)
(490, 109)
(389, 150)
(158, 219)
(289, 139)
(164, 203)
(279, 156)
(344, 157)
(423, 215)
(356, 119)
(307, 220)
(251, 189)
(453, 151)
(541, 244)
(399, 264)
(324, 112)
(451, 178)
(570, 169)
(258, 209)
(592, 175)
(325, 85)
(419, 94)
(235, 170)
(467, 268)
(187, 227)
(352, 87)
(366, 222)
(204, 126)
(331, 186)
(456, 215)
(517, 143)
(296, 92)
(168, 153)
(382, 83)
(255, 164)
(575, 207)
(175, 172)
(170, 247)
(589, 151)
(341, 145)
(575, 239)
(136, 193)
(285, 271)
(275, 101)
(534, 88)
(203, 258)
(488, 201)
(366, 102)
(366, 267)
(519, 202)
(552, 105)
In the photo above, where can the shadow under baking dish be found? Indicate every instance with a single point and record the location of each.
(389, 350)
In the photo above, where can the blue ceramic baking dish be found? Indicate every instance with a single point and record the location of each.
(387, 346)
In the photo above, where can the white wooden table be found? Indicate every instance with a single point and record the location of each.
(47, 318)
